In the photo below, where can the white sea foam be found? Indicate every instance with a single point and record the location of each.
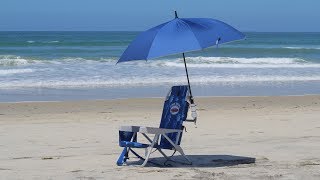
(10, 60)
(295, 47)
(152, 81)
(224, 62)
(258, 66)
(228, 62)
(192, 62)
(53, 41)
(5, 72)
(43, 42)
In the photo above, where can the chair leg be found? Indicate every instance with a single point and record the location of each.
(163, 154)
(179, 149)
(136, 154)
(167, 157)
(155, 140)
(147, 157)
(175, 161)
(123, 157)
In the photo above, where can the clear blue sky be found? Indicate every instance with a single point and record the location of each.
(107, 15)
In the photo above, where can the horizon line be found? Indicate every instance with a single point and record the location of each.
(143, 30)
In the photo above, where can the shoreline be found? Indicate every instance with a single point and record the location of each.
(133, 98)
(141, 98)
(219, 90)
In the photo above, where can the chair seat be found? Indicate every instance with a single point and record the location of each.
(132, 144)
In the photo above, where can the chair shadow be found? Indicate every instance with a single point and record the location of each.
(202, 161)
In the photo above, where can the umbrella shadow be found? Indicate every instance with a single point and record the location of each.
(202, 161)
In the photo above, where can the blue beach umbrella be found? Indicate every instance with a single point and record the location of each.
(180, 35)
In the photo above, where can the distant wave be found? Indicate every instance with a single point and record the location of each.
(100, 42)
(31, 42)
(53, 41)
(310, 48)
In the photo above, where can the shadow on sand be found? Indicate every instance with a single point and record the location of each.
(200, 161)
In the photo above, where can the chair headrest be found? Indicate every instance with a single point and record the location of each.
(181, 90)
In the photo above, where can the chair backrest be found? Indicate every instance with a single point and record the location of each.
(174, 112)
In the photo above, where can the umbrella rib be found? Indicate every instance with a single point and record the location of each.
(241, 34)
(150, 48)
(194, 35)
(200, 47)
(164, 24)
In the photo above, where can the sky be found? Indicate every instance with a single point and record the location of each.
(138, 15)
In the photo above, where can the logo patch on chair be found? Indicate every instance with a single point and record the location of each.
(174, 108)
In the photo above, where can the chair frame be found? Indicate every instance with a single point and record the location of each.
(157, 132)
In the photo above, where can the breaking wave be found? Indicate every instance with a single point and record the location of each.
(10, 60)
(229, 62)
(193, 62)
(153, 81)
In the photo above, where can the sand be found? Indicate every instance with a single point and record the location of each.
(235, 138)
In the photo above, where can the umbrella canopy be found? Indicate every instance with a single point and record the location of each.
(178, 36)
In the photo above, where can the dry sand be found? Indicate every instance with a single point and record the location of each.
(79, 140)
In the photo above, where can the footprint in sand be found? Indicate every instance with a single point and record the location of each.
(74, 171)
(105, 112)
(22, 158)
(4, 169)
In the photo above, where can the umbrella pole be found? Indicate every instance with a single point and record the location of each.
(185, 65)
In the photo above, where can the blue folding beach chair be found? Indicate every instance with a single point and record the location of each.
(167, 136)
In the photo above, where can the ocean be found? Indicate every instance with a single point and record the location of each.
(50, 66)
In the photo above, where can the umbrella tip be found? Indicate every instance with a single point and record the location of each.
(176, 14)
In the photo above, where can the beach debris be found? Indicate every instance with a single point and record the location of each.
(46, 158)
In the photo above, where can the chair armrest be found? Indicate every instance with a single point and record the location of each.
(148, 130)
